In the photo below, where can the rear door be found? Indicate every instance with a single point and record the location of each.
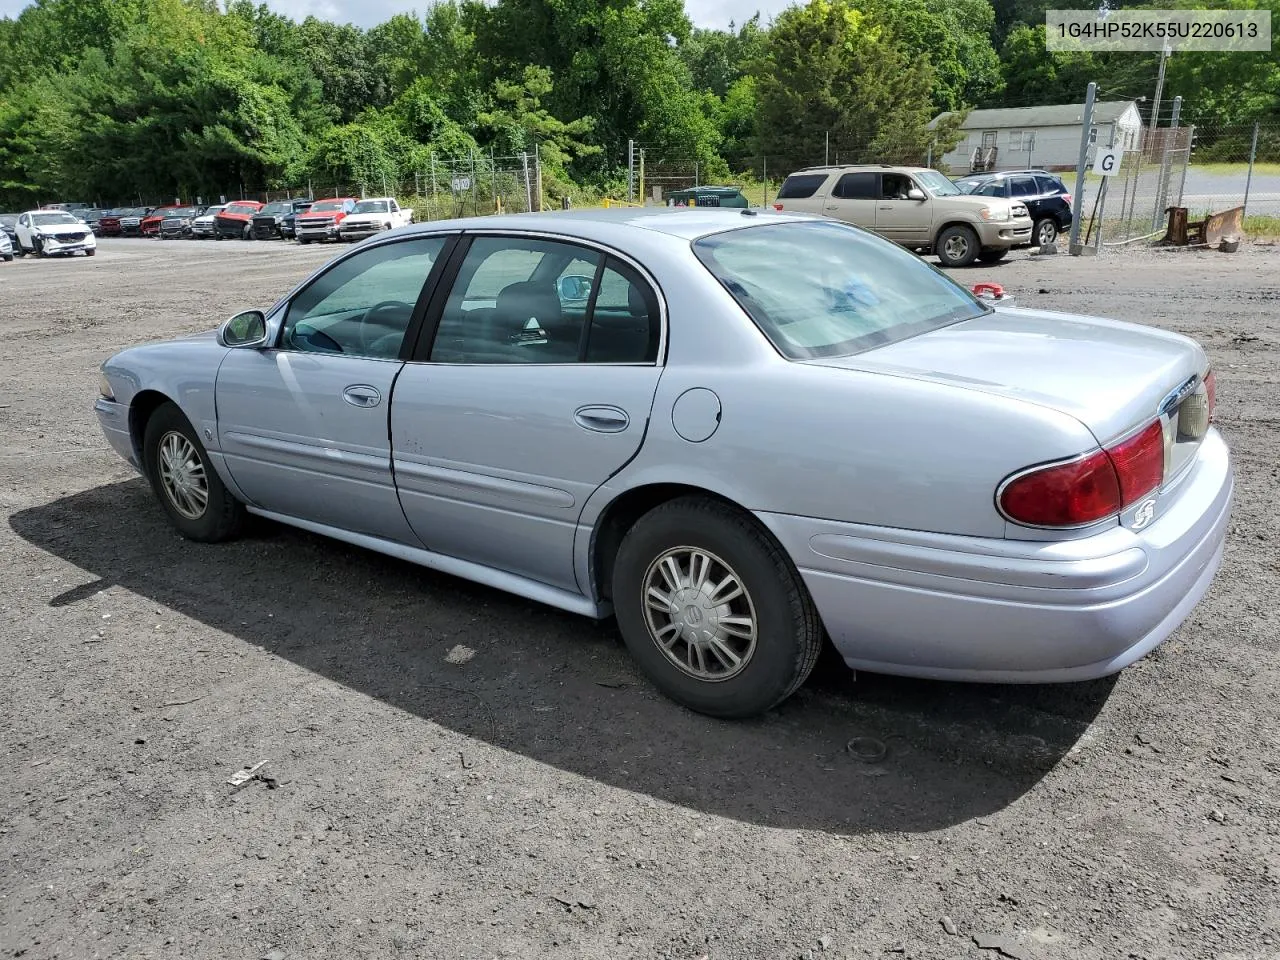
(853, 199)
(533, 389)
(1025, 188)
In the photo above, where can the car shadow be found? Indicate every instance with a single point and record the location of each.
(844, 755)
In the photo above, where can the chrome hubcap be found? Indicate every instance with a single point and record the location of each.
(699, 613)
(182, 475)
(956, 247)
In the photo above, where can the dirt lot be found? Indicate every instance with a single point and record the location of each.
(541, 800)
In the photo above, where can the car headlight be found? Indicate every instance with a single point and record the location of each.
(104, 388)
(994, 214)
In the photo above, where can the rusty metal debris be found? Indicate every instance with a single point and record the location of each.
(1223, 229)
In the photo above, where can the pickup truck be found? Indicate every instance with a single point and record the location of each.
(373, 216)
(235, 220)
(322, 221)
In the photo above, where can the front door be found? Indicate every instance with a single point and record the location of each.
(303, 425)
(537, 388)
(898, 217)
(853, 199)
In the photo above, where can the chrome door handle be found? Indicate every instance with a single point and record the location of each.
(602, 418)
(886, 208)
(361, 395)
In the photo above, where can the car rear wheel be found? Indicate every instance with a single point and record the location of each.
(198, 504)
(957, 246)
(1046, 231)
(713, 610)
(993, 256)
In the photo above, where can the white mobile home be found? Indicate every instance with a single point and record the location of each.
(1014, 138)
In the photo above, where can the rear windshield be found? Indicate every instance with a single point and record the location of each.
(801, 185)
(825, 289)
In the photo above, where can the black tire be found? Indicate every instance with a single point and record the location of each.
(37, 247)
(788, 633)
(223, 515)
(90, 253)
(993, 256)
(247, 233)
(957, 246)
(303, 241)
(8, 258)
(1045, 231)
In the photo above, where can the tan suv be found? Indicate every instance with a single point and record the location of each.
(914, 206)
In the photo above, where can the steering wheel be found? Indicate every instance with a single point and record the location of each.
(373, 339)
(310, 335)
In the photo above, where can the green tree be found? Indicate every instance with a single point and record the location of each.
(831, 68)
(519, 122)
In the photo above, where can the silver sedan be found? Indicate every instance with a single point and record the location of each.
(743, 434)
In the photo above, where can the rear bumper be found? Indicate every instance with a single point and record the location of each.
(1013, 611)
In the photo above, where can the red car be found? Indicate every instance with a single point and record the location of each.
(236, 220)
(150, 225)
(110, 226)
(321, 221)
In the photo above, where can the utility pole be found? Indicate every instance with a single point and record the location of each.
(1077, 198)
(1155, 107)
(631, 170)
(1162, 185)
(1253, 152)
(826, 151)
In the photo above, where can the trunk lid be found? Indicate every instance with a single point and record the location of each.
(1109, 375)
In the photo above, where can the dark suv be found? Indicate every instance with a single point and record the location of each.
(1044, 194)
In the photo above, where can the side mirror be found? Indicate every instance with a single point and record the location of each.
(248, 329)
(574, 287)
(915, 193)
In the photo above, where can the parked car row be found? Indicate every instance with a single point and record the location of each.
(980, 217)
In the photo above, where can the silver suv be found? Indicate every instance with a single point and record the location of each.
(914, 206)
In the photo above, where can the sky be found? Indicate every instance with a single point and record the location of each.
(366, 13)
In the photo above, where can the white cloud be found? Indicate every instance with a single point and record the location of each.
(366, 13)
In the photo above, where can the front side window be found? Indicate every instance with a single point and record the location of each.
(362, 307)
(894, 186)
(826, 289)
(521, 300)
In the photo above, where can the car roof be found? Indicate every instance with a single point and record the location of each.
(615, 223)
(846, 167)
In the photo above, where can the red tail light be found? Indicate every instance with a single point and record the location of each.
(1067, 197)
(1084, 491)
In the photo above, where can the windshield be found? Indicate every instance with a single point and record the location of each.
(213, 210)
(818, 289)
(936, 183)
(182, 212)
(324, 205)
(241, 208)
(277, 207)
(371, 206)
(54, 218)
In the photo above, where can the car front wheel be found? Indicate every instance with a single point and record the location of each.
(957, 246)
(1046, 231)
(199, 506)
(713, 610)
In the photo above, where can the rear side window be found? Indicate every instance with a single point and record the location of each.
(856, 186)
(1025, 187)
(1051, 185)
(798, 186)
(825, 289)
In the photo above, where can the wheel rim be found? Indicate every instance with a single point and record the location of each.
(182, 475)
(699, 614)
(956, 247)
(1048, 233)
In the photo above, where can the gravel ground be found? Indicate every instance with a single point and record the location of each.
(541, 800)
